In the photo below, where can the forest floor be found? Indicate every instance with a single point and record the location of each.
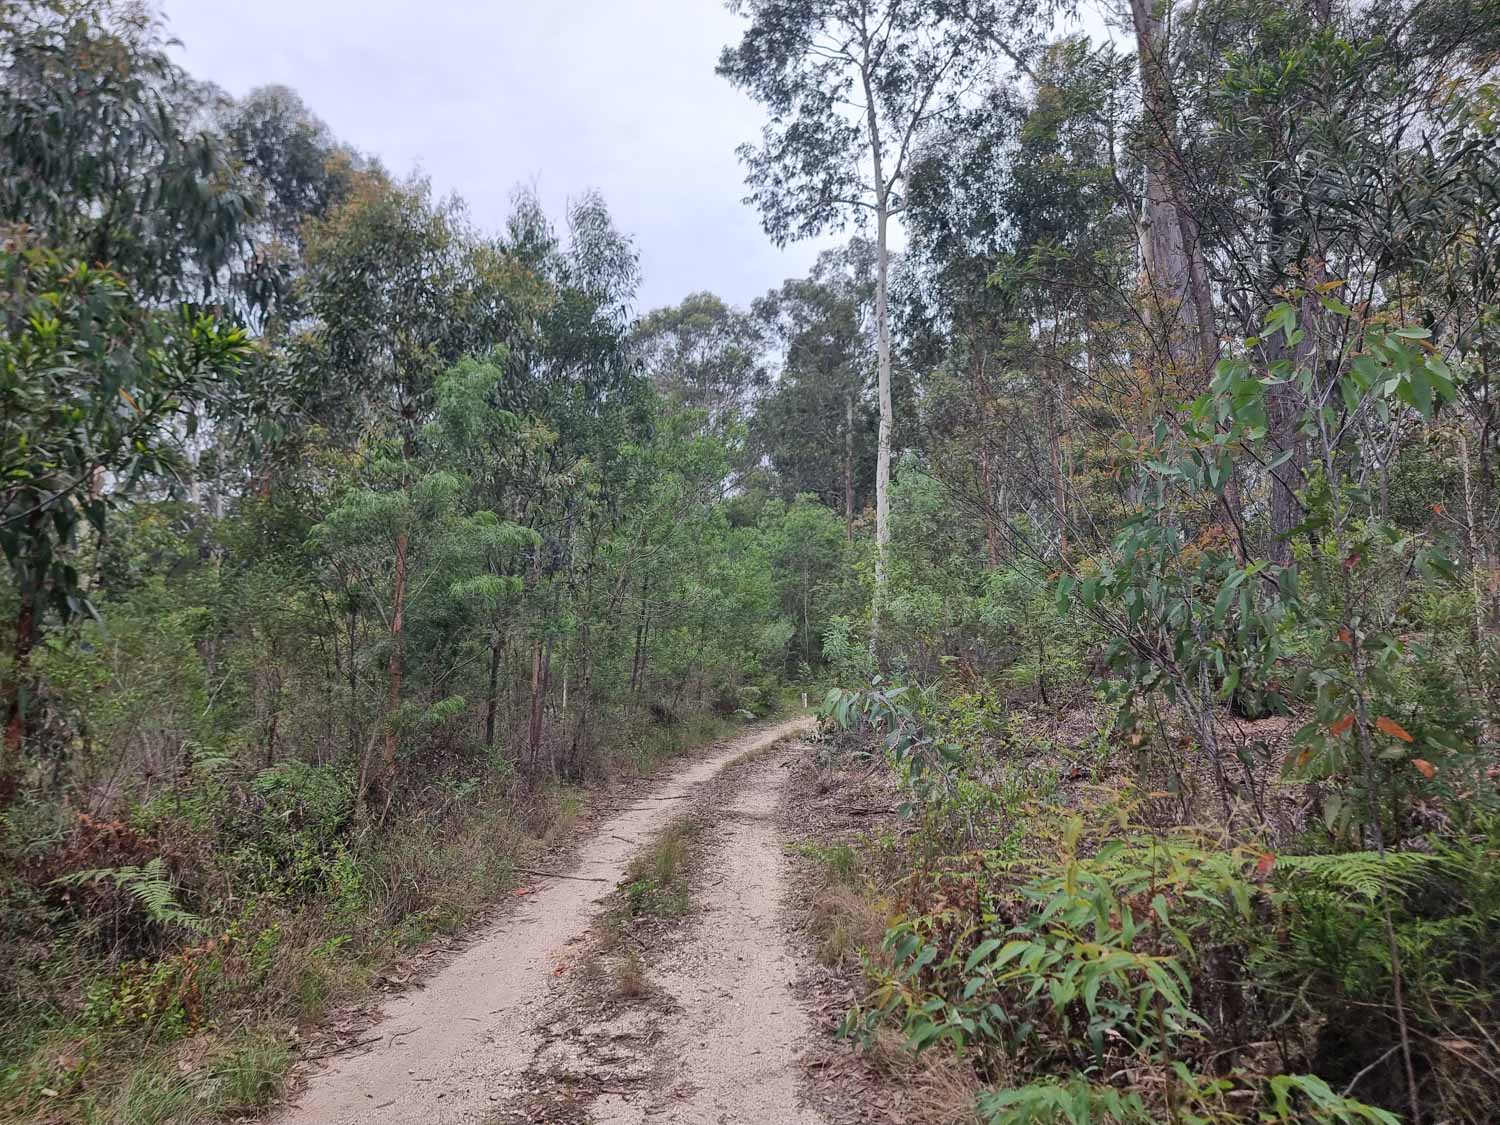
(653, 977)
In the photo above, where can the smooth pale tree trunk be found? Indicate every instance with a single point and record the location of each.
(883, 449)
(883, 358)
(849, 465)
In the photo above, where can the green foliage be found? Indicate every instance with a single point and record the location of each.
(897, 714)
(103, 153)
(847, 658)
(339, 531)
(150, 885)
(94, 389)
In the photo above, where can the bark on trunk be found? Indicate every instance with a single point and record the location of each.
(15, 700)
(637, 661)
(1179, 300)
(393, 672)
(534, 728)
(494, 693)
(849, 465)
(352, 629)
(883, 450)
(1059, 484)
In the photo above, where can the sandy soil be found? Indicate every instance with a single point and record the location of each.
(733, 1049)
(458, 1049)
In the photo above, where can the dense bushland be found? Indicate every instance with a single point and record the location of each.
(1139, 515)
(345, 542)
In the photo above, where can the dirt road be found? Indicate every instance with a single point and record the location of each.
(459, 1049)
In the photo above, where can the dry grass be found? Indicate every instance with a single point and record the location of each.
(657, 881)
(630, 977)
(938, 1088)
(848, 920)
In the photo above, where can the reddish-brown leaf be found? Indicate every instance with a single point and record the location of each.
(1392, 728)
(1346, 636)
(1264, 864)
(1425, 768)
(1343, 724)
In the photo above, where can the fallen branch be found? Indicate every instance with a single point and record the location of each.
(339, 1049)
(558, 875)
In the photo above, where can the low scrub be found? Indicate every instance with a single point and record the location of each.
(1116, 969)
(153, 977)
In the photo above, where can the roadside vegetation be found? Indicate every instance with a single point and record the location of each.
(1135, 523)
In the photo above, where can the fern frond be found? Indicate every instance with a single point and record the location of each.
(150, 885)
(1366, 874)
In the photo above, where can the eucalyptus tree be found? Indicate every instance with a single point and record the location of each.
(1174, 273)
(705, 355)
(1327, 157)
(1021, 267)
(401, 288)
(570, 368)
(851, 86)
(106, 155)
(295, 162)
(96, 394)
(120, 225)
(814, 426)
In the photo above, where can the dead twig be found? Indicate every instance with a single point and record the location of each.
(558, 875)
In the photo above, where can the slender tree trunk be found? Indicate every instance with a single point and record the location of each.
(979, 388)
(640, 636)
(1059, 481)
(585, 674)
(987, 486)
(352, 628)
(541, 697)
(15, 698)
(849, 464)
(493, 704)
(806, 617)
(1180, 300)
(1477, 560)
(393, 671)
(883, 450)
(585, 694)
(534, 730)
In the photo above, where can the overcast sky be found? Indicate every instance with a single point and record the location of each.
(618, 95)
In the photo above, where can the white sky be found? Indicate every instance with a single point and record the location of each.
(618, 95)
(567, 95)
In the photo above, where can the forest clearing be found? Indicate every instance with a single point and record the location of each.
(951, 579)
